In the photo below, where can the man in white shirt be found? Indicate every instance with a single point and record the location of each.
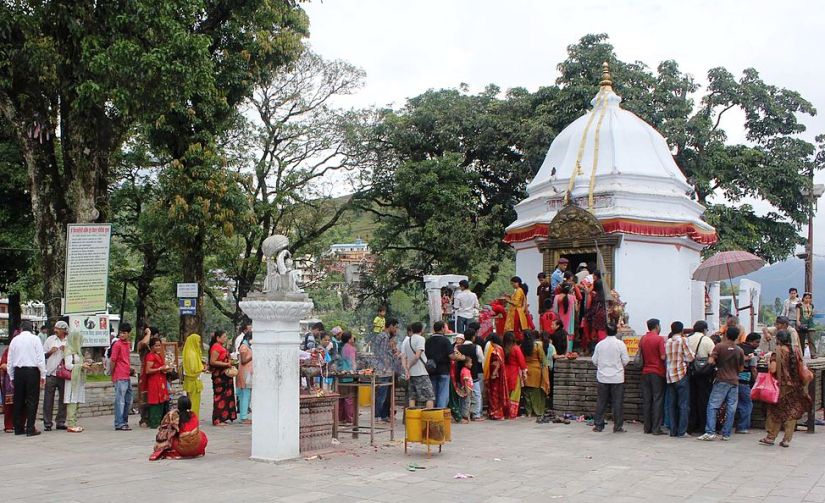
(465, 305)
(27, 370)
(610, 358)
(54, 356)
(420, 387)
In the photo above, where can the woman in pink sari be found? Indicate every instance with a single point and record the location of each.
(346, 405)
(564, 305)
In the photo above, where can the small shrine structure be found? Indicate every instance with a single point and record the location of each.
(609, 193)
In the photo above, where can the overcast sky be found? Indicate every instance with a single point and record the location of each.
(407, 47)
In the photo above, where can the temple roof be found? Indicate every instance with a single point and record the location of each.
(616, 165)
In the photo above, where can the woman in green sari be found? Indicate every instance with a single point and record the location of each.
(76, 388)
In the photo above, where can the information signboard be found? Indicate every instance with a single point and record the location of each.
(87, 268)
(187, 290)
(188, 306)
(93, 327)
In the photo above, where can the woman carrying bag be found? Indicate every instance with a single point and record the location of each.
(787, 368)
(75, 389)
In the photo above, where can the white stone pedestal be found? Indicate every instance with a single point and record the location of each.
(275, 400)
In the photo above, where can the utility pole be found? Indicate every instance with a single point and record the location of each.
(814, 194)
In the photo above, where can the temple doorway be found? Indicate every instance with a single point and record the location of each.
(577, 258)
(575, 234)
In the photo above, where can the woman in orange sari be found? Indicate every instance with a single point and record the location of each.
(516, 320)
(495, 380)
(179, 435)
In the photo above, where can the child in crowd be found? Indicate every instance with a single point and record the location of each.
(464, 389)
(379, 324)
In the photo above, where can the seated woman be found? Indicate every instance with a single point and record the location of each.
(178, 435)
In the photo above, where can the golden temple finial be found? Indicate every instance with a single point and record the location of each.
(607, 80)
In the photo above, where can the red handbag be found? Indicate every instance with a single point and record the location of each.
(766, 388)
(63, 373)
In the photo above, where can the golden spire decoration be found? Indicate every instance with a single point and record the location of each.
(607, 80)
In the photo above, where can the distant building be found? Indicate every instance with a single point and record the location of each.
(348, 259)
(33, 311)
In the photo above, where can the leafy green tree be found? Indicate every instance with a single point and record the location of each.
(75, 77)
(244, 44)
(16, 232)
(296, 150)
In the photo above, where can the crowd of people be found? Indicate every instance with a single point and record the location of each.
(497, 366)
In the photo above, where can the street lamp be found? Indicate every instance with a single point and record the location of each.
(813, 195)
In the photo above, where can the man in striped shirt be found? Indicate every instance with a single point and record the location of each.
(677, 356)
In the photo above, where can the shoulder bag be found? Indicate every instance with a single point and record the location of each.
(700, 366)
(430, 365)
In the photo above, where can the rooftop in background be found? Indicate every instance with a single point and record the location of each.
(358, 246)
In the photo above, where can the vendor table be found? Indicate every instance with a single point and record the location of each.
(372, 382)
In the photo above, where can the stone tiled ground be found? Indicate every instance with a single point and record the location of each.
(511, 462)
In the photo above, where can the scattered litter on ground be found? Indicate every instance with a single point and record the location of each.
(311, 458)
(463, 476)
(414, 467)
(496, 459)
(335, 441)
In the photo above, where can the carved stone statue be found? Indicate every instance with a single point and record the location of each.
(281, 276)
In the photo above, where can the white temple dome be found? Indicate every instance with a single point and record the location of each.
(620, 168)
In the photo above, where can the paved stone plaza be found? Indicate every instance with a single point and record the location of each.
(510, 461)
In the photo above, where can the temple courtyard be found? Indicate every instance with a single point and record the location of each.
(509, 461)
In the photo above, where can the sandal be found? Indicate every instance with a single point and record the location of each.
(765, 441)
(75, 429)
(785, 444)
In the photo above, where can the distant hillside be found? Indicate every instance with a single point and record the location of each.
(361, 224)
(777, 278)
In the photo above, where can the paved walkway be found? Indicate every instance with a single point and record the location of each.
(511, 461)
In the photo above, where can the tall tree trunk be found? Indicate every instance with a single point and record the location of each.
(15, 312)
(193, 272)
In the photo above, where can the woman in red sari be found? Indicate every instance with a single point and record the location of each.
(515, 366)
(495, 379)
(157, 391)
(179, 435)
(223, 386)
(7, 391)
(594, 322)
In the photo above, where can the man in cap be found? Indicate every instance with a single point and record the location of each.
(53, 348)
(558, 274)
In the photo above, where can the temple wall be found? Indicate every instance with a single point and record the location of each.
(653, 278)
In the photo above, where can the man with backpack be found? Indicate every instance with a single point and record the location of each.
(420, 389)
(312, 337)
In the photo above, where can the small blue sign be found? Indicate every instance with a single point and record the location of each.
(188, 306)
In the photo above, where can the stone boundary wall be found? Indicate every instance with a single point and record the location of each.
(575, 389)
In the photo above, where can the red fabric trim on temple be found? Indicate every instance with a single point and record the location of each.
(636, 227)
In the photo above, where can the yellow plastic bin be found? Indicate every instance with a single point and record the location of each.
(438, 432)
(414, 426)
(364, 396)
(448, 421)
